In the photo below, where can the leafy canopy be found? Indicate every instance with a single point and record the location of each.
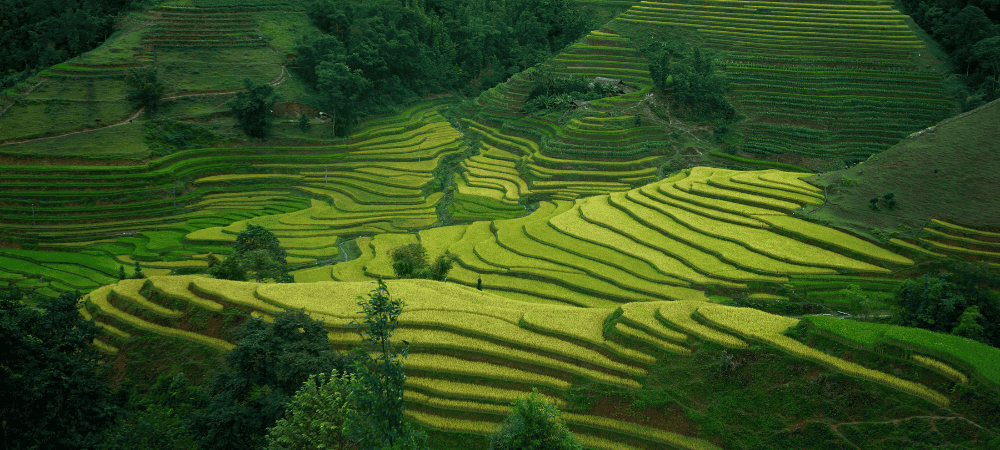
(410, 261)
(252, 109)
(50, 396)
(265, 369)
(534, 424)
(961, 301)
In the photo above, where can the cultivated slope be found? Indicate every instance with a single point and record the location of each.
(474, 352)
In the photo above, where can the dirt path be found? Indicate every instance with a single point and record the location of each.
(276, 81)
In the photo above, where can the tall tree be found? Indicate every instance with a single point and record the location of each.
(144, 90)
(317, 417)
(341, 90)
(50, 395)
(252, 109)
(377, 423)
(256, 250)
(265, 369)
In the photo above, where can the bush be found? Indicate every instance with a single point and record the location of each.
(410, 261)
(534, 425)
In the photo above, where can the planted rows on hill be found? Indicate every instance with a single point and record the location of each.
(170, 213)
(828, 79)
(666, 240)
(473, 352)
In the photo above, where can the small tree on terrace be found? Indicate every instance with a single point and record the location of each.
(252, 109)
(534, 424)
(144, 90)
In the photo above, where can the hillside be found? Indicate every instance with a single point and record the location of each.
(945, 172)
(666, 281)
(474, 352)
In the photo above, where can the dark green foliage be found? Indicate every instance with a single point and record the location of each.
(137, 272)
(479, 283)
(697, 87)
(268, 365)
(970, 33)
(304, 124)
(165, 136)
(944, 302)
(50, 396)
(144, 90)
(410, 261)
(121, 272)
(252, 109)
(439, 270)
(229, 269)
(157, 420)
(376, 53)
(317, 417)
(35, 34)
(256, 237)
(559, 92)
(535, 424)
(257, 250)
(377, 422)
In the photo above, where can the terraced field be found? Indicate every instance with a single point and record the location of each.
(817, 79)
(673, 239)
(169, 214)
(464, 340)
(940, 239)
(599, 149)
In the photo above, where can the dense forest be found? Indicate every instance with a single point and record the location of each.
(377, 53)
(36, 34)
(970, 32)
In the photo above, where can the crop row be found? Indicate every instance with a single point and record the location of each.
(766, 327)
(978, 357)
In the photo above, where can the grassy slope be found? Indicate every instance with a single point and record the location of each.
(947, 173)
(765, 398)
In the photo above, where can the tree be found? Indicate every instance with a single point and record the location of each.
(50, 395)
(377, 423)
(252, 109)
(341, 90)
(137, 273)
(317, 417)
(121, 272)
(534, 424)
(968, 324)
(269, 364)
(304, 124)
(256, 250)
(940, 302)
(698, 89)
(439, 270)
(408, 260)
(158, 420)
(987, 54)
(144, 90)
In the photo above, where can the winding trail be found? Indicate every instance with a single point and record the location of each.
(276, 81)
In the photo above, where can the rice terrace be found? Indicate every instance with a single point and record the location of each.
(518, 224)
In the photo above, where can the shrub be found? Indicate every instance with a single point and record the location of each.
(534, 425)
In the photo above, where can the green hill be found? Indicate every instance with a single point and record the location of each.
(633, 267)
(947, 172)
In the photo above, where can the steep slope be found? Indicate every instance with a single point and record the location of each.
(949, 172)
